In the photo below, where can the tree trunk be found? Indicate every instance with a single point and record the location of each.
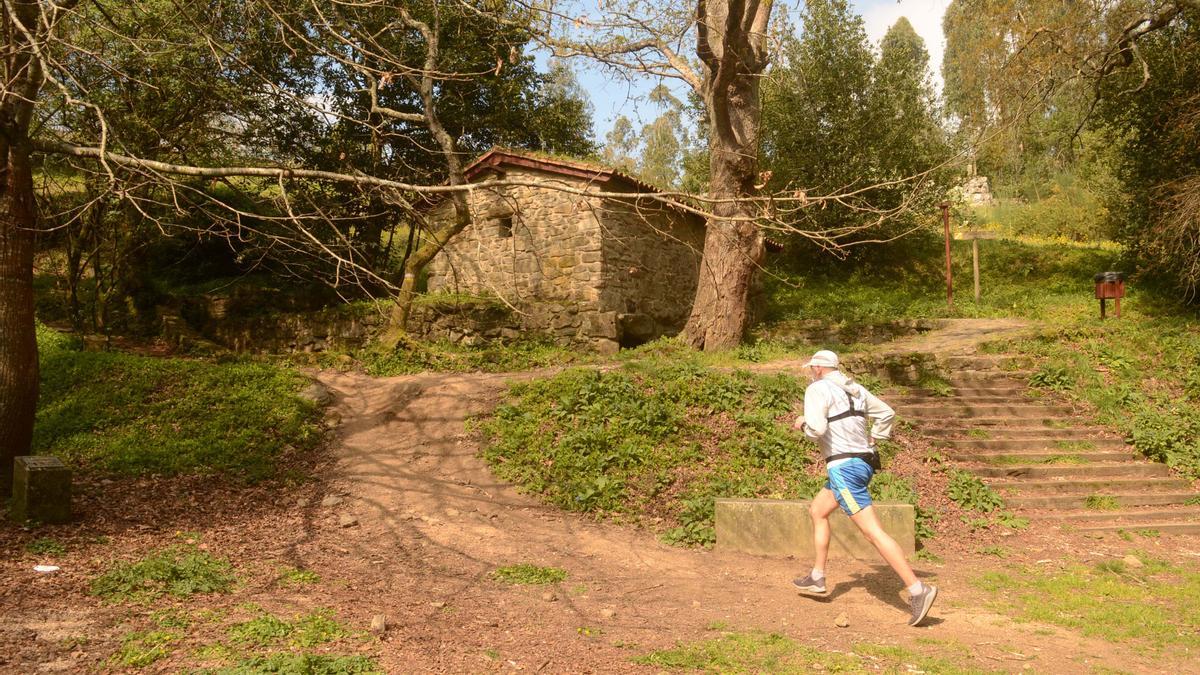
(18, 338)
(419, 259)
(733, 244)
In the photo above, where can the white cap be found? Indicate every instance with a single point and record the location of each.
(824, 358)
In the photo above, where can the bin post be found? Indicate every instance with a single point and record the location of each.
(1109, 285)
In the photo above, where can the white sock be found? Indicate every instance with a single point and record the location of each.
(817, 574)
(916, 588)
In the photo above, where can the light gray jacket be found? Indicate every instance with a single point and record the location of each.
(831, 395)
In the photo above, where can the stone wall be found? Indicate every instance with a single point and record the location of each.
(536, 247)
(205, 322)
(651, 266)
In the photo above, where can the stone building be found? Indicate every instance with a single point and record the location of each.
(599, 271)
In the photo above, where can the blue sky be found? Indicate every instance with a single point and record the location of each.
(613, 97)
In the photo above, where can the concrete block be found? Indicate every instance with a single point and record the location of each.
(41, 490)
(782, 527)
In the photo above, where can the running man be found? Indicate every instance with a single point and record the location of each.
(836, 410)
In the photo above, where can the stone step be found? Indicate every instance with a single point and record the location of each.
(1159, 527)
(1021, 458)
(1059, 445)
(959, 431)
(1075, 486)
(1022, 411)
(992, 423)
(1078, 501)
(1003, 362)
(989, 378)
(1081, 471)
(1146, 515)
(970, 401)
(996, 387)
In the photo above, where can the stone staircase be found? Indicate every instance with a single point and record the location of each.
(1048, 462)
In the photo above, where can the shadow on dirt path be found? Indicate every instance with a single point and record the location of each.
(430, 522)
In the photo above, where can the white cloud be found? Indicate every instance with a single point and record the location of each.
(925, 17)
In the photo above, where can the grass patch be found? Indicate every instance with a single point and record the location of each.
(758, 652)
(664, 436)
(178, 571)
(138, 415)
(982, 434)
(142, 649)
(1012, 521)
(1018, 279)
(1075, 445)
(925, 555)
(306, 664)
(1157, 604)
(1101, 503)
(292, 576)
(748, 653)
(529, 574)
(1066, 459)
(46, 546)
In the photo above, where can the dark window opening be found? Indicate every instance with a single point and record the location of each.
(506, 226)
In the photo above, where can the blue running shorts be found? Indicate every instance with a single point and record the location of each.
(848, 480)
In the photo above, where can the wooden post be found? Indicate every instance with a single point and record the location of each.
(975, 266)
(975, 236)
(949, 276)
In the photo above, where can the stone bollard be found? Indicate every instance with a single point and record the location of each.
(41, 490)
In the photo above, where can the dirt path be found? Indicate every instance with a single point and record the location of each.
(408, 523)
(432, 522)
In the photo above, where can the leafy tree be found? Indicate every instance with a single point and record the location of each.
(818, 125)
(905, 105)
(663, 140)
(621, 145)
(839, 122)
(1157, 127)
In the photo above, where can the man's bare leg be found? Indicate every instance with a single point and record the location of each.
(822, 506)
(921, 596)
(868, 523)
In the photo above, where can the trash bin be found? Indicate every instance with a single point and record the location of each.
(1110, 286)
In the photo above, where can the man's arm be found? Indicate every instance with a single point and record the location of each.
(816, 412)
(881, 416)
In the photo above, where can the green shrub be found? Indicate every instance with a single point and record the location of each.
(966, 490)
(887, 486)
(305, 631)
(661, 436)
(179, 571)
(1052, 377)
